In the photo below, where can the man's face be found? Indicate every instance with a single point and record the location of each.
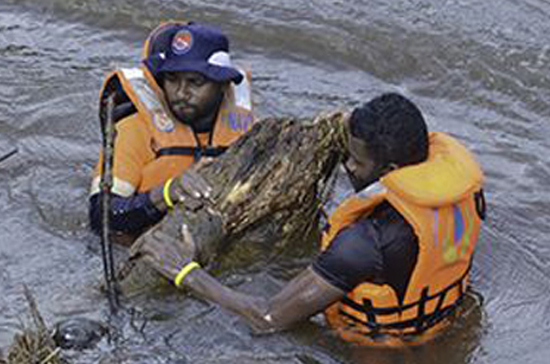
(360, 166)
(191, 96)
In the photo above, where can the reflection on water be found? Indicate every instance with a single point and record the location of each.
(479, 70)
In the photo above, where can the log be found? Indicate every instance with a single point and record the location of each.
(267, 189)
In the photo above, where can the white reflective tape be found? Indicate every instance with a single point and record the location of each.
(94, 188)
(123, 188)
(372, 189)
(243, 98)
(120, 187)
(131, 73)
(148, 99)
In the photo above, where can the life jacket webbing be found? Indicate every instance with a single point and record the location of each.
(421, 322)
(196, 152)
(428, 322)
(421, 308)
(123, 110)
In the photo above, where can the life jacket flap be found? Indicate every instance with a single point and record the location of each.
(123, 106)
(449, 174)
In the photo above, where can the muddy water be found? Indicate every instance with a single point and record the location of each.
(478, 69)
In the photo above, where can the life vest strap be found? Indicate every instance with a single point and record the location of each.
(421, 318)
(196, 152)
(421, 322)
(123, 110)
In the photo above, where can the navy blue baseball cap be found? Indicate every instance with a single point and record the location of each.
(190, 47)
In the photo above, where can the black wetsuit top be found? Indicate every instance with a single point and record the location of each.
(128, 214)
(380, 248)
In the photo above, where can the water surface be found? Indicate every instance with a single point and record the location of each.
(478, 70)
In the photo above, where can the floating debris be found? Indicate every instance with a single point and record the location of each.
(34, 345)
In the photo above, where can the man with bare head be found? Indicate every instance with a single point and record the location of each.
(395, 259)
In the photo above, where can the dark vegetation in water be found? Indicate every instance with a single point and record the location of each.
(35, 343)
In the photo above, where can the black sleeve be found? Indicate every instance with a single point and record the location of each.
(128, 214)
(399, 246)
(381, 248)
(351, 258)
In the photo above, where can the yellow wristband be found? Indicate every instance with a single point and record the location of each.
(166, 194)
(184, 272)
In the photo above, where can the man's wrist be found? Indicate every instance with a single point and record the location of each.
(184, 271)
(157, 199)
(166, 194)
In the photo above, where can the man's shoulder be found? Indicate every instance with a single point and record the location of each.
(384, 222)
(133, 132)
(133, 122)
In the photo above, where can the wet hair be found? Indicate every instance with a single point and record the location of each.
(393, 129)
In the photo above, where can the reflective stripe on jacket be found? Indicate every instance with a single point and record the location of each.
(441, 199)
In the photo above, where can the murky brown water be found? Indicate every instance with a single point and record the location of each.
(478, 69)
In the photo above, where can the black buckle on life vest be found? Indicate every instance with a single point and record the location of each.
(196, 152)
(481, 206)
(420, 323)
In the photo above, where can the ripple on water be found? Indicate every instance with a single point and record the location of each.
(479, 70)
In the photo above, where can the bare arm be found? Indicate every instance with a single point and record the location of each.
(304, 296)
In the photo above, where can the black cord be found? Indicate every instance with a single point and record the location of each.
(9, 154)
(106, 185)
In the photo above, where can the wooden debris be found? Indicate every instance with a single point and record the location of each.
(268, 189)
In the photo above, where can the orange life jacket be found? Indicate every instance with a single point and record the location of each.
(441, 199)
(174, 144)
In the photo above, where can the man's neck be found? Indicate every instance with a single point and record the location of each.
(205, 124)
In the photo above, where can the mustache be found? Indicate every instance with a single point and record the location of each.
(182, 103)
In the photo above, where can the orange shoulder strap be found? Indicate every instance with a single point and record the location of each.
(348, 212)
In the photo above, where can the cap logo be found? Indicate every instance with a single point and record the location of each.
(182, 42)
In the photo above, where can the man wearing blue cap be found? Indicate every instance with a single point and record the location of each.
(185, 101)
